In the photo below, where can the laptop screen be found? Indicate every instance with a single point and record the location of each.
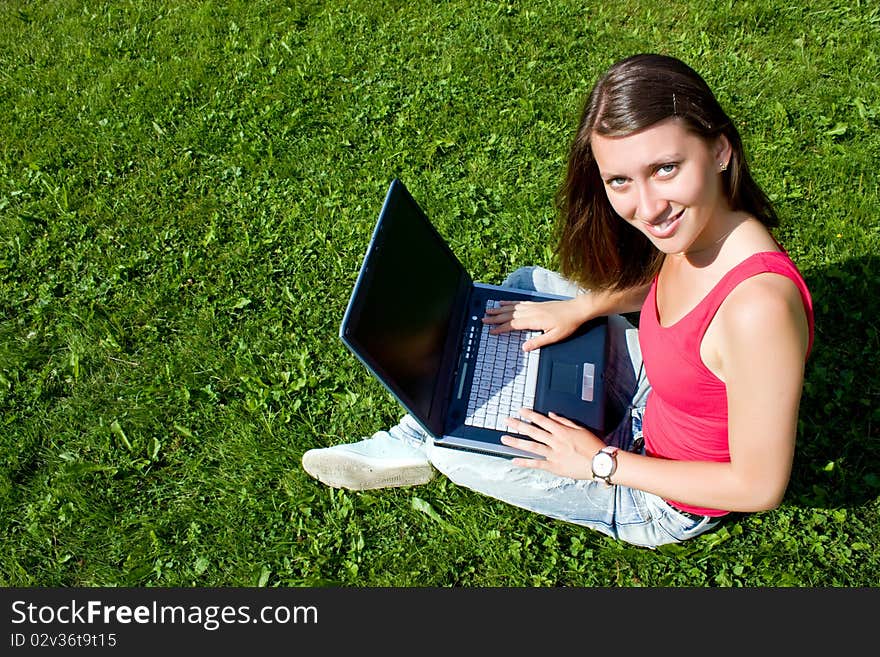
(404, 301)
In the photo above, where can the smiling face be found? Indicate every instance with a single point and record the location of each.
(666, 182)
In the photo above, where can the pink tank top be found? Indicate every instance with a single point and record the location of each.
(686, 414)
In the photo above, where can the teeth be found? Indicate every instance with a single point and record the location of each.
(666, 222)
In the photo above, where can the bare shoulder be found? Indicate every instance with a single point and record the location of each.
(768, 307)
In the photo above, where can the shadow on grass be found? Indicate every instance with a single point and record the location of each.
(837, 463)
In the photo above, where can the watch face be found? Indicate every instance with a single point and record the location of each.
(602, 463)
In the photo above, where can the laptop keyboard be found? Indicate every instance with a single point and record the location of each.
(505, 378)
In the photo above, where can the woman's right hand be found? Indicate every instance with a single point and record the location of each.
(557, 320)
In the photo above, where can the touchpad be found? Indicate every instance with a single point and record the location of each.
(564, 378)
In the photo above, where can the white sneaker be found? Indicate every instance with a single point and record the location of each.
(377, 462)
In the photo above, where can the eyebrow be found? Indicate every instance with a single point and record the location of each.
(666, 159)
(659, 162)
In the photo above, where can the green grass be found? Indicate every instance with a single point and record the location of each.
(187, 190)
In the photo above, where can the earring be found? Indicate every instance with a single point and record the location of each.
(722, 166)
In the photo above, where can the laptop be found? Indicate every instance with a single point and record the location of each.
(414, 320)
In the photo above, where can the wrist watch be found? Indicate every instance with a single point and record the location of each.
(605, 464)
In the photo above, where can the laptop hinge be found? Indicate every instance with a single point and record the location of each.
(449, 374)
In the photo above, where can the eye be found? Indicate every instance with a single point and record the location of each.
(666, 170)
(615, 183)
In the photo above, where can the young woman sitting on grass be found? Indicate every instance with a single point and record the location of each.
(659, 215)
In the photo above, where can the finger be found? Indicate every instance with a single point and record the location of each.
(530, 446)
(540, 341)
(507, 310)
(496, 319)
(543, 422)
(509, 306)
(563, 420)
(499, 325)
(506, 313)
(533, 433)
(500, 328)
(537, 464)
(526, 428)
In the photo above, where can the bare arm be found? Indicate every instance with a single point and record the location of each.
(762, 350)
(559, 319)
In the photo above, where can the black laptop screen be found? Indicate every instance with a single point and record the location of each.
(405, 301)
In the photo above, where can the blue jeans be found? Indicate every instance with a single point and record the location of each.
(624, 513)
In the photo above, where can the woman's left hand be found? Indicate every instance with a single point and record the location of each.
(566, 448)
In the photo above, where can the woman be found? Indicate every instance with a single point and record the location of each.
(660, 215)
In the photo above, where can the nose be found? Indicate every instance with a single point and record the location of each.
(651, 206)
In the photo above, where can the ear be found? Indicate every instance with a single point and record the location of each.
(722, 150)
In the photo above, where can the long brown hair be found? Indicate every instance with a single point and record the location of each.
(597, 248)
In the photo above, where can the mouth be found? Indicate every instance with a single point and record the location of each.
(666, 227)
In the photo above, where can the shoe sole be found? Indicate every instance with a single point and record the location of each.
(342, 471)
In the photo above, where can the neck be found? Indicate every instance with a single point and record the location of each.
(714, 244)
